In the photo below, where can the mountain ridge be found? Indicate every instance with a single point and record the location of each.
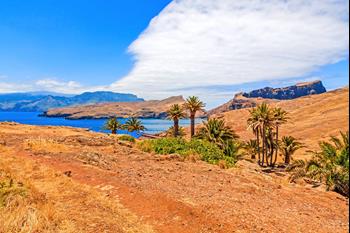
(41, 101)
(146, 109)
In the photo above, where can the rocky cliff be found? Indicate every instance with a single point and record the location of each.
(291, 92)
(146, 109)
(269, 94)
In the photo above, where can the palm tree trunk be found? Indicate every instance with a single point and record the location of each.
(271, 150)
(258, 142)
(176, 127)
(287, 158)
(114, 131)
(192, 123)
(263, 146)
(276, 152)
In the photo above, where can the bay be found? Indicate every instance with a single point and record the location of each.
(153, 126)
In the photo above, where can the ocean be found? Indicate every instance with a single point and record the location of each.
(32, 118)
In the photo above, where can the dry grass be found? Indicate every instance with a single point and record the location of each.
(45, 145)
(37, 199)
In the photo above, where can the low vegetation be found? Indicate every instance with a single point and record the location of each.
(206, 151)
(329, 165)
(127, 138)
(170, 132)
(23, 208)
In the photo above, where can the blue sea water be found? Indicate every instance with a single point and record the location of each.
(32, 118)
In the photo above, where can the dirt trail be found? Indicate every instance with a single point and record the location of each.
(175, 196)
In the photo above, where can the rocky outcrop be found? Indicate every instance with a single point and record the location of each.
(269, 94)
(291, 92)
(146, 109)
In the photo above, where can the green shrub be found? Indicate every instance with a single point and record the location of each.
(126, 138)
(329, 165)
(207, 151)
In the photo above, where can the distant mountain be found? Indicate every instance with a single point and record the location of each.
(146, 109)
(41, 101)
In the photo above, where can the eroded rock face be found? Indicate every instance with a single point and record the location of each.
(291, 92)
(251, 99)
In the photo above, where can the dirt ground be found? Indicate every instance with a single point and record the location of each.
(164, 193)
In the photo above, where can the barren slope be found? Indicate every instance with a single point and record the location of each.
(312, 118)
(163, 192)
(145, 109)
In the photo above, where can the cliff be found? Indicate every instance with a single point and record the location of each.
(286, 93)
(269, 94)
(146, 109)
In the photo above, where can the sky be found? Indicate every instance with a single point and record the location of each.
(161, 48)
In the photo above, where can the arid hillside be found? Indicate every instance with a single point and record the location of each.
(144, 109)
(64, 179)
(312, 118)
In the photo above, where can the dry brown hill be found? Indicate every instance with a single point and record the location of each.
(145, 109)
(312, 118)
(80, 181)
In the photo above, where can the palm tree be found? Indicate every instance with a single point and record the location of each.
(216, 131)
(254, 124)
(279, 118)
(193, 104)
(261, 121)
(329, 165)
(113, 124)
(289, 145)
(176, 113)
(252, 148)
(134, 124)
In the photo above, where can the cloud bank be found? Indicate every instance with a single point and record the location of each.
(48, 84)
(194, 45)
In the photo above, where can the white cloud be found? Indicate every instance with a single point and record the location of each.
(58, 86)
(6, 87)
(201, 43)
(49, 84)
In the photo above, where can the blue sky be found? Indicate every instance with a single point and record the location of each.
(158, 48)
(84, 41)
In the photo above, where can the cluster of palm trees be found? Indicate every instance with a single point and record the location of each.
(176, 112)
(131, 125)
(265, 123)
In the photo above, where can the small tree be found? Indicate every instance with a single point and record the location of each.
(193, 104)
(176, 113)
(251, 148)
(113, 125)
(216, 131)
(134, 124)
(289, 145)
